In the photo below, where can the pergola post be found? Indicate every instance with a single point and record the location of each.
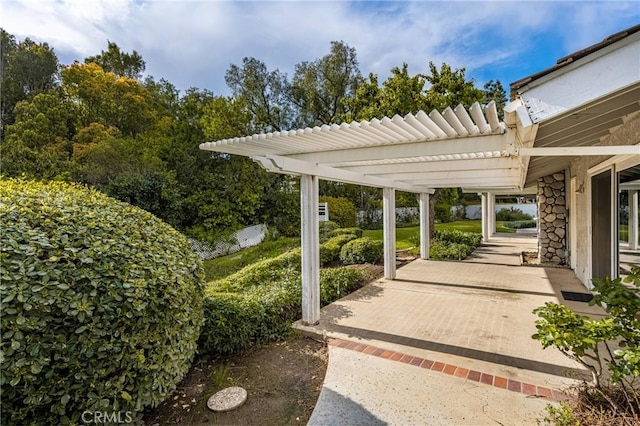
(485, 217)
(492, 213)
(633, 219)
(310, 249)
(424, 225)
(389, 231)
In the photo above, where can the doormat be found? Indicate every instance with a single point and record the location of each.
(577, 297)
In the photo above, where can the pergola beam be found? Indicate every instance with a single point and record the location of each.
(435, 166)
(286, 165)
(407, 150)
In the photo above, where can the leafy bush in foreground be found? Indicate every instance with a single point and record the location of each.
(362, 250)
(101, 304)
(611, 342)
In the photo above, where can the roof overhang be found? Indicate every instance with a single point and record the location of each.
(415, 153)
(580, 102)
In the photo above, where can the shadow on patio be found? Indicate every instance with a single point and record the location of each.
(476, 313)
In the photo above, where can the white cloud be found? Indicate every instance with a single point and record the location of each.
(192, 43)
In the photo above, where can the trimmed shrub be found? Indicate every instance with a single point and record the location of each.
(342, 231)
(265, 271)
(520, 224)
(460, 237)
(101, 307)
(325, 228)
(263, 312)
(330, 249)
(362, 250)
(341, 211)
(338, 282)
(443, 250)
(512, 214)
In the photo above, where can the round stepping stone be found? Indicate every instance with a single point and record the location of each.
(227, 399)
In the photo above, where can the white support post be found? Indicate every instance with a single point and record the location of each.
(310, 249)
(424, 226)
(389, 231)
(485, 217)
(492, 213)
(633, 219)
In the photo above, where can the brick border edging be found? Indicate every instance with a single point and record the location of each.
(528, 389)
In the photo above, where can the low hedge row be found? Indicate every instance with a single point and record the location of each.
(443, 250)
(453, 244)
(459, 237)
(520, 224)
(330, 249)
(362, 250)
(259, 312)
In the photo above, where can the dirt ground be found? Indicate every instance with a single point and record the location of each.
(282, 379)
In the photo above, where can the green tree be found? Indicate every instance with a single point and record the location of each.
(264, 92)
(103, 97)
(319, 88)
(123, 64)
(37, 143)
(450, 88)
(495, 92)
(28, 68)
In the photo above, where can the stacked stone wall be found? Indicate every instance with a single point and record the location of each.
(552, 216)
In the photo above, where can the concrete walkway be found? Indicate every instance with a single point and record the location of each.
(447, 343)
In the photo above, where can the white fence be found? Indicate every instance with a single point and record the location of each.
(406, 214)
(247, 237)
(475, 211)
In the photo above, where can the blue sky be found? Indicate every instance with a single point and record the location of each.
(192, 43)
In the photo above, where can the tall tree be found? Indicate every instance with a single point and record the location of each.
(123, 64)
(450, 88)
(105, 98)
(319, 88)
(264, 92)
(28, 68)
(495, 92)
(399, 94)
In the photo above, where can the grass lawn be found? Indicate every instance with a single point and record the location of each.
(220, 267)
(407, 237)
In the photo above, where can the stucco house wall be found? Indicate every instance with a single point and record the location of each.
(626, 134)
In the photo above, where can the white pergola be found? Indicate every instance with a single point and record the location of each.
(565, 110)
(416, 153)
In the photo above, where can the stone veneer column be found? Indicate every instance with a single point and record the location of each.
(552, 217)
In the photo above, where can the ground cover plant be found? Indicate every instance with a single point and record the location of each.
(258, 303)
(608, 347)
(223, 266)
(101, 304)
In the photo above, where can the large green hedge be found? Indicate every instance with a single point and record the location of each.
(101, 304)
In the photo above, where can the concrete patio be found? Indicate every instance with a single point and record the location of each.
(470, 316)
